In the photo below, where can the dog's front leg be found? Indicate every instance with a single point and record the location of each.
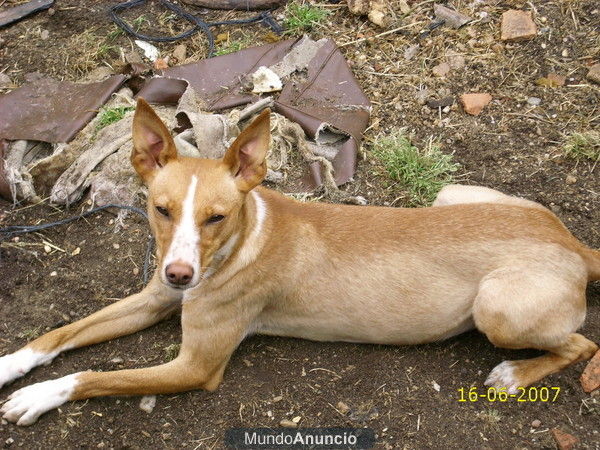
(209, 339)
(126, 316)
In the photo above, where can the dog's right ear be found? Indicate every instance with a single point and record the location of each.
(153, 146)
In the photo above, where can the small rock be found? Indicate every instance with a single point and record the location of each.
(116, 246)
(404, 8)
(455, 60)
(450, 17)
(53, 273)
(564, 440)
(570, 179)
(101, 445)
(590, 379)
(44, 35)
(10, 441)
(421, 96)
(4, 80)
(147, 403)
(594, 73)
(498, 47)
(4, 422)
(442, 103)
(179, 53)
(379, 14)
(558, 80)
(517, 26)
(436, 386)
(534, 101)
(358, 200)
(150, 51)
(536, 423)
(265, 80)
(411, 51)
(51, 11)
(343, 408)
(136, 271)
(116, 360)
(161, 64)
(288, 424)
(565, 53)
(441, 70)
(297, 419)
(474, 103)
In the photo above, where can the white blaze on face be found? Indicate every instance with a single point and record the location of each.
(185, 246)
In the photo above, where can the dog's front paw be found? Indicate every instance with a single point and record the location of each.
(15, 365)
(27, 404)
(19, 363)
(503, 376)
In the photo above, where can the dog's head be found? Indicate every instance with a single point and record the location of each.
(195, 206)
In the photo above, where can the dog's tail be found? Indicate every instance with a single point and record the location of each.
(592, 259)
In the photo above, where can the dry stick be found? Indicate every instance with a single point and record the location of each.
(385, 33)
(266, 102)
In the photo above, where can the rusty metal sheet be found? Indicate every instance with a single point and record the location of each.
(217, 81)
(21, 11)
(329, 95)
(52, 111)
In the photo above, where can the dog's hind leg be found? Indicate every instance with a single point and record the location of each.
(126, 316)
(533, 306)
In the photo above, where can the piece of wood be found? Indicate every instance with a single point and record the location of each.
(245, 5)
(19, 12)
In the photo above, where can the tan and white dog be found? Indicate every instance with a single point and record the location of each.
(239, 259)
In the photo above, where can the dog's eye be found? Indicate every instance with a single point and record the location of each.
(216, 218)
(163, 211)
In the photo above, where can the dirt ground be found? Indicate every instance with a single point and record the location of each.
(512, 146)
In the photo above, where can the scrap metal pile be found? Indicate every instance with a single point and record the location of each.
(52, 145)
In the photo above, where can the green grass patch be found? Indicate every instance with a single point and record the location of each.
(111, 115)
(30, 334)
(422, 172)
(302, 17)
(137, 23)
(171, 351)
(583, 145)
(231, 46)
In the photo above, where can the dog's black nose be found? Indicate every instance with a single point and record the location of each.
(179, 273)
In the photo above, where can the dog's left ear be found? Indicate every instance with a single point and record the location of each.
(246, 158)
(153, 146)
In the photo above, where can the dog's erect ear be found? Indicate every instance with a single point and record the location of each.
(246, 158)
(153, 145)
